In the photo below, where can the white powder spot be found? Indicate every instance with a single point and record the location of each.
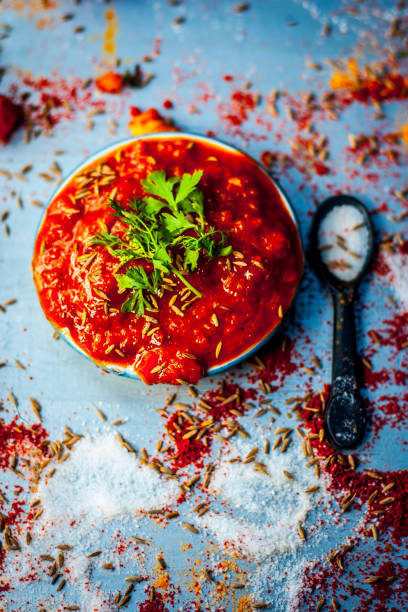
(102, 479)
(266, 508)
(398, 276)
(340, 221)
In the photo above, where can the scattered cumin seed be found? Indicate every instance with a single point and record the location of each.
(108, 566)
(134, 579)
(140, 540)
(96, 553)
(60, 559)
(12, 398)
(388, 487)
(312, 489)
(241, 7)
(374, 475)
(277, 443)
(100, 414)
(386, 501)
(171, 515)
(190, 527)
(301, 532)
(36, 408)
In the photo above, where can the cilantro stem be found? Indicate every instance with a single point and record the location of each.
(183, 280)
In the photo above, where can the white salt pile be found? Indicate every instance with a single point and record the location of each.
(398, 276)
(102, 479)
(343, 241)
(266, 508)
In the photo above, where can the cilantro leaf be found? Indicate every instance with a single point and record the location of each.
(157, 184)
(187, 185)
(157, 229)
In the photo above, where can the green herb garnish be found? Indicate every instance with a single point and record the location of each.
(164, 227)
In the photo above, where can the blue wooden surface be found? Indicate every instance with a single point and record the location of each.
(260, 46)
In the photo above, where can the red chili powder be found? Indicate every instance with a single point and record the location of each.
(16, 438)
(191, 450)
(187, 451)
(391, 516)
(325, 580)
(54, 98)
(239, 107)
(154, 605)
(279, 360)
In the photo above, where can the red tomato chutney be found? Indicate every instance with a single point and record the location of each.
(244, 294)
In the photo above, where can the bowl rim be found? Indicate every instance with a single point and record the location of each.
(123, 142)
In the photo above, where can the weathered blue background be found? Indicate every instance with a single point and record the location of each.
(214, 41)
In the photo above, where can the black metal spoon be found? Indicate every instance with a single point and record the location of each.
(344, 416)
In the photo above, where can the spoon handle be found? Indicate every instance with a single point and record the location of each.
(344, 336)
(344, 417)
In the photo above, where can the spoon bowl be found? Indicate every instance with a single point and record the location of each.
(345, 417)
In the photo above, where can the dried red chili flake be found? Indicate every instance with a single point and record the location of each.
(16, 439)
(11, 116)
(167, 104)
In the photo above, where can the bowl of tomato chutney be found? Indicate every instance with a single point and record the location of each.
(167, 257)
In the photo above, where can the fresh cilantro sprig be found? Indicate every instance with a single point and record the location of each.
(166, 223)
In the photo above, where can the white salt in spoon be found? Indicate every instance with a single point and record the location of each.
(341, 248)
